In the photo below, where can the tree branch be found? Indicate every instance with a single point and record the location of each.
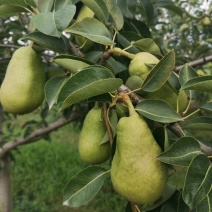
(195, 62)
(37, 134)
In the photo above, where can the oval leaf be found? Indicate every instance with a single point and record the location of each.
(181, 152)
(198, 181)
(56, 44)
(207, 106)
(19, 3)
(84, 186)
(147, 45)
(8, 10)
(200, 83)
(200, 123)
(52, 88)
(90, 81)
(160, 73)
(206, 204)
(91, 29)
(148, 10)
(158, 110)
(99, 8)
(72, 63)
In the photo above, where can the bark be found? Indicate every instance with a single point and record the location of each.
(5, 186)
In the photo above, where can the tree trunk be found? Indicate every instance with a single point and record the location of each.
(5, 186)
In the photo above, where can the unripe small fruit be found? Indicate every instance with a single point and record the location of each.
(93, 131)
(206, 21)
(142, 64)
(134, 82)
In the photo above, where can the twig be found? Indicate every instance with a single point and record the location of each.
(37, 134)
(9, 46)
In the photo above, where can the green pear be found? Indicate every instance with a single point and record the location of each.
(22, 89)
(142, 64)
(81, 41)
(93, 131)
(136, 174)
(134, 82)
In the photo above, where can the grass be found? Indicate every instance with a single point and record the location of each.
(42, 169)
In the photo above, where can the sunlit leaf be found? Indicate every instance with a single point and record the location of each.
(54, 23)
(84, 186)
(157, 110)
(92, 29)
(181, 152)
(198, 181)
(160, 73)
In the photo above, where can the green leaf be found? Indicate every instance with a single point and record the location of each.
(44, 6)
(170, 6)
(200, 83)
(72, 63)
(115, 66)
(93, 30)
(53, 23)
(198, 181)
(147, 45)
(158, 110)
(52, 89)
(20, 3)
(99, 8)
(200, 123)
(8, 10)
(56, 44)
(181, 152)
(84, 186)
(127, 7)
(207, 106)
(206, 204)
(160, 73)
(90, 81)
(115, 13)
(148, 10)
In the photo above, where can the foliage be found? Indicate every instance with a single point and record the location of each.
(118, 31)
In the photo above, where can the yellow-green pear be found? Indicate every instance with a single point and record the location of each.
(93, 131)
(134, 82)
(85, 12)
(142, 64)
(22, 89)
(136, 173)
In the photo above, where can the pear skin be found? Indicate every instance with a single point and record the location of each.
(93, 131)
(136, 173)
(22, 89)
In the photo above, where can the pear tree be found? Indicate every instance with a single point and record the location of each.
(139, 75)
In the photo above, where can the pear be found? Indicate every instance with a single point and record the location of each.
(22, 89)
(93, 131)
(134, 82)
(136, 174)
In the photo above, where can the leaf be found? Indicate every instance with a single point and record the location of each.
(207, 106)
(84, 186)
(181, 152)
(115, 13)
(20, 3)
(170, 6)
(200, 123)
(44, 6)
(198, 181)
(56, 44)
(53, 23)
(148, 10)
(72, 63)
(90, 81)
(160, 73)
(147, 45)
(127, 7)
(52, 89)
(158, 110)
(115, 66)
(200, 83)
(91, 29)
(206, 204)
(99, 8)
(8, 10)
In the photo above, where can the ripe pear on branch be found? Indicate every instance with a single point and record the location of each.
(22, 90)
(136, 173)
(90, 148)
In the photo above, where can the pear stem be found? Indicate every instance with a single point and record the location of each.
(130, 106)
(121, 52)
